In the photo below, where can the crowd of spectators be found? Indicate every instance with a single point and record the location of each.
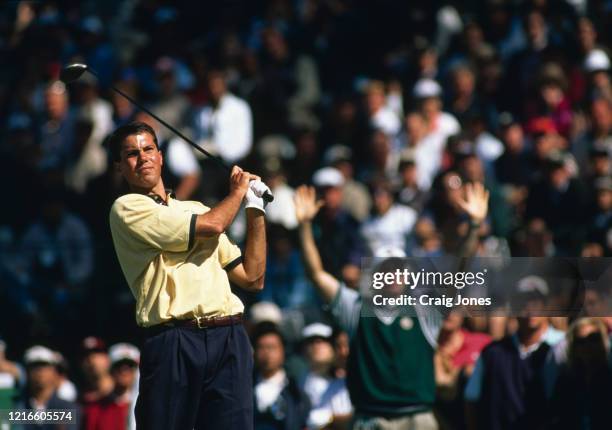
(394, 111)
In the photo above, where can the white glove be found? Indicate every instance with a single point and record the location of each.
(254, 195)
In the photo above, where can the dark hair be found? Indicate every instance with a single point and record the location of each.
(118, 137)
(265, 328)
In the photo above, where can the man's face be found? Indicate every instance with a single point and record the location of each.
(319, 351)
(42, 376)
(141, 162)
(124, 374)
(96, 364)
(269, 353)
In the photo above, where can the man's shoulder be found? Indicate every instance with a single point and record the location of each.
(129, 201)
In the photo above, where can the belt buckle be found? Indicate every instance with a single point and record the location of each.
(199, 322)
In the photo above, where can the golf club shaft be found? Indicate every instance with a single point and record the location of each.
(267, 196)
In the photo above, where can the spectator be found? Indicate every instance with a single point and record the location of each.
(57, 128)
(279, 401)
(427, 148)
(427, 94)
(335, 228)
(330, 403)
(66, 389)
(507, 383)
(95, 368)
(170, 104)
(382, 393)
(224, 126)
(116, 410)
(43, 379)
(409, 192)
(381, 116)
(355, 197)
(12, 379)
(582, 396)
(390, 224)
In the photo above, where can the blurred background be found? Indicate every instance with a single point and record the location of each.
(387, 107)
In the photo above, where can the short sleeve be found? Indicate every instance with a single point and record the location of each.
(138, 217)
(229, 253)
(346, 309)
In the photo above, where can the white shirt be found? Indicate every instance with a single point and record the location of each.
(446, 125)
(180, 158)
(428, 158)
(228, 127)
(389, 229)
(328, 397)
(268, 390)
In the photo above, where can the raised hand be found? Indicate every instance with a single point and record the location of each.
(306, 204)
(476, 201)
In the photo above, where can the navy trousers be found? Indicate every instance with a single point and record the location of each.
(196, 379)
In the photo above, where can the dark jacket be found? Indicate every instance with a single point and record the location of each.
(288, 412)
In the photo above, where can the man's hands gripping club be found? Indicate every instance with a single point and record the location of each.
(249, 187)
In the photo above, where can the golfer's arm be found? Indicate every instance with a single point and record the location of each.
(218, 219)
(250, 274)
(326, 284)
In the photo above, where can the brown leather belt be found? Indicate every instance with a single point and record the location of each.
(201, 322)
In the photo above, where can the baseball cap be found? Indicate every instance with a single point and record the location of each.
(541, 125)
(265, 311)
(123, 352)
(328, 177)
(317, 330)
(92, 344)
(596, 60)
(39, 354)
(337, 153)
(425, 88)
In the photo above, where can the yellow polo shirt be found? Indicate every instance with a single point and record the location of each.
(172, 273)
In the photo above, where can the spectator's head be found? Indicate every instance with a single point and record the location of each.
(453, 321)
(535, 26)
(382, 195)
(545, 135)
(262, 312)
(529, 301)
(165, 76)
(408, 169)
(588, 344)
(428, 93)
(380, 149)
(56, 101)
(95, 362)
(600, 157)
(375, 96)
(463, 81)
(275, 45)
(552, 85)
(596, 302)
(268, 343)
(416, 127)
(216, 86)
(587, 36)
(470, 166)
(601, 116)
(603, 188)
(124, 359)
(557, 171)
(41, 365)
(340, 157)
(597, 66)
(511, 133)
(329, 182)
(427, 57)
(318, 347)
(136, 154)
(341, 349)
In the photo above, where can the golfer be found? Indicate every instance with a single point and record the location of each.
(196, 363)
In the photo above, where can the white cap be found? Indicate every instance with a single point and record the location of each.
(40, 354)
(532, 284)
(596, 60)
(124, 351)
(328, 177)
(265, 311)
(425, 88)
(317, 330)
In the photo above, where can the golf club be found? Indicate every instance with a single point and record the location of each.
(74, 71)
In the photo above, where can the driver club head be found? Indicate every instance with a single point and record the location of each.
(72, 72)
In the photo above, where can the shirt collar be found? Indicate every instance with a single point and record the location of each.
(159, 200)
